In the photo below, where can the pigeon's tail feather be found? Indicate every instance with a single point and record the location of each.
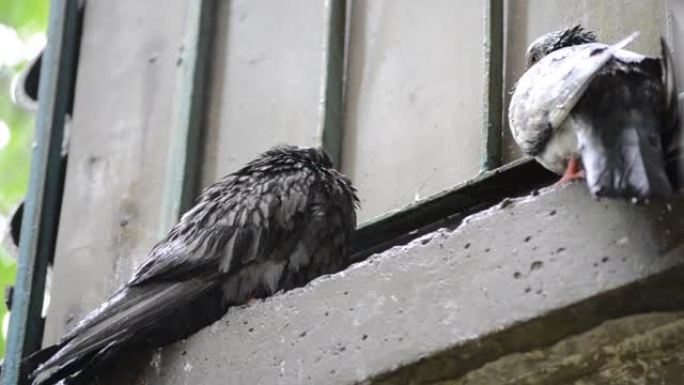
(90, 368)
(134, 317)
(62, 373)
(80, 371)
(30, 363)
(625, 161)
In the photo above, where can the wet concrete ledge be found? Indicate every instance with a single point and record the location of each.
(519, 276)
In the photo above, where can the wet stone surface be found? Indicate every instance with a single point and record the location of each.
(638, 349)
(511, 278)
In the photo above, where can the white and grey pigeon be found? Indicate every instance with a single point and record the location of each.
(588, 109)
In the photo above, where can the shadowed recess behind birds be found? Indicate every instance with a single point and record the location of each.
(609, 109)
(282, 220)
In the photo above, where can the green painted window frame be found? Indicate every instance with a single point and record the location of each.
(495, 184)
(492, 185)
(41, 210)
(182, 182)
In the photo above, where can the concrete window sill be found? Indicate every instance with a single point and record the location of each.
(519, 276)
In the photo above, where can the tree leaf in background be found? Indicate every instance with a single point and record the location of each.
(26, 16)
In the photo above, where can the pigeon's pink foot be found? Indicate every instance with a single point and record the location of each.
(572, 172)
(252, 301)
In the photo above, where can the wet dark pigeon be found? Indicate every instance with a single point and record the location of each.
(282, 220)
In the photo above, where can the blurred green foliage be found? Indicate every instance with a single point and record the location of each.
(15, 156)
(27, 18)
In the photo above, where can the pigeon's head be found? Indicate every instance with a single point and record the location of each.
(289, 154)
(556, 40)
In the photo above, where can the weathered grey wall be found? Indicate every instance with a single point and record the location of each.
(414, 99)
(611, 19)
(676, 22)
(562, 259)
(117, 153)
(561, 262)
(266, 80)
(677, 33)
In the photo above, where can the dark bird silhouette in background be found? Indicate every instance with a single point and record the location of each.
(282, 220)
(597, 111)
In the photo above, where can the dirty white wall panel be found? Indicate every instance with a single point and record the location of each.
(610, 19)
(118, 151)
(414, 99)
(266, 80)
(677, 33)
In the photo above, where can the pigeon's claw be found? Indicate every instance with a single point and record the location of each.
(252, 301)
(572, 172)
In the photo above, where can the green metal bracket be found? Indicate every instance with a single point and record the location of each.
(332, 93)
(39, 226)
(186, 131)
(493, 90)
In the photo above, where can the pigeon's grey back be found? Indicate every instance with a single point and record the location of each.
(546, 94)
(280, 221)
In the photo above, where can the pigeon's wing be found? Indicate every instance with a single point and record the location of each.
(325, 236)
(550, 89)
(231, 226)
